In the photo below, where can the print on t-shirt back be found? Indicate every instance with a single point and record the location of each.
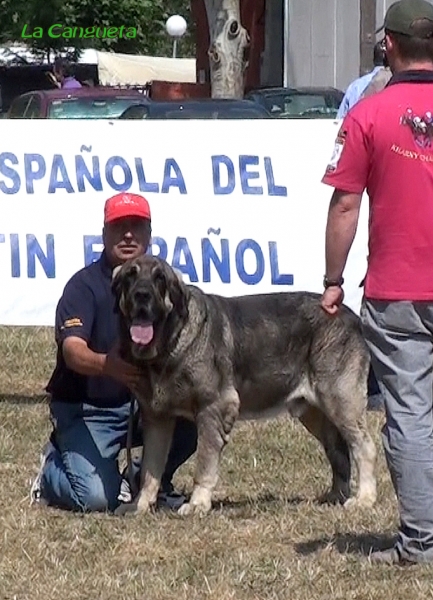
(421, 126)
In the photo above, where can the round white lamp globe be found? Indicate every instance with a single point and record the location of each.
(176, 26)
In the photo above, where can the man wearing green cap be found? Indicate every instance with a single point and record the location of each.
(385, 146)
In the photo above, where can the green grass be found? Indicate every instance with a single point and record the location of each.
(267, 538)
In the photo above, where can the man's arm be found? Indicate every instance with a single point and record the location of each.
(341, 228)
(75, 316)
(347, 173)
(81, 359)
(340, 231)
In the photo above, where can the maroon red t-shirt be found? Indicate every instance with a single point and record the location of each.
(385, 145)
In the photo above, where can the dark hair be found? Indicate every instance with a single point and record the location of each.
(63, 66)
(379, 56)
(418, 46)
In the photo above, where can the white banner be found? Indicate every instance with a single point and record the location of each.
(237, 206)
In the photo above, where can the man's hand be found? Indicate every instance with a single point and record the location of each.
(81, 359)
(120, 370)
(332, 299)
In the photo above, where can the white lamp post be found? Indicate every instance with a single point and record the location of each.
(176, 27)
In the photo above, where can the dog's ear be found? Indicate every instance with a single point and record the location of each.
(115, 272)
(177, 292)
(116, 287)
(120, 280)
(177, 273)
(169, 281)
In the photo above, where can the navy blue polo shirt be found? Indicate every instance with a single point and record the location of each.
(87, 310)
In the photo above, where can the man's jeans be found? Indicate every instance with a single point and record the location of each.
(82, 472)
(400, 339)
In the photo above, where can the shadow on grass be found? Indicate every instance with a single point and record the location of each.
(261, 500)
(348, 543)
(21, 399)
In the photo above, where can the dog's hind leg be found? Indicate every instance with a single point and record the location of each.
(341, 393)
(214, 424)
(336, 450)
(345, 404)
(363, 452)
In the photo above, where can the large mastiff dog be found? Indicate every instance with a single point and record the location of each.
(214, 359)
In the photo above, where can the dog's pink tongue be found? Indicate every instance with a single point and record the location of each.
(141, 334)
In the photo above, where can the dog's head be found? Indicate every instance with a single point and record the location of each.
(152, 302)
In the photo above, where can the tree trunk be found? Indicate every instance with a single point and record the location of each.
(227, 52)
(367, 35)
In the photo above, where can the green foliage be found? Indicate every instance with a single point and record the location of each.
(148, 17)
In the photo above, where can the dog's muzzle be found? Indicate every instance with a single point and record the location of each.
(142, 333)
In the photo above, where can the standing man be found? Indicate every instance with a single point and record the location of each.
(90, 397)
(356, 88)
(385, 145)
(378, 83)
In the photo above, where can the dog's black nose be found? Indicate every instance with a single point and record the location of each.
(142, 297)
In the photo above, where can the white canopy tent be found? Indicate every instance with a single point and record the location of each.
(128, 69)
(117, 69)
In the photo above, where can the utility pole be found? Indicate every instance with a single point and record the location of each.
(367, 36)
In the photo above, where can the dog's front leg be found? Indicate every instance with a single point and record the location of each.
(157, 439)
(214, 425)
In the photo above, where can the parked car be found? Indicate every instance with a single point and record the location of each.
(206, 108)
(299, 103)
(81, 103)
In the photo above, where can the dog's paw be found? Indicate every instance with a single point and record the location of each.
(127, 508)
(351, 504)
(357, 503)
(188, 509)
(333, 498)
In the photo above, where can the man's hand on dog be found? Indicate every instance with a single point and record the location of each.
(119, 369)
(332, 299)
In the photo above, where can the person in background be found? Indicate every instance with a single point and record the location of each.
(379, 82)
(64, 74)
(385, 146)
(356, 88)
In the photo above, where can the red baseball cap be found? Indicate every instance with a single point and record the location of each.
(126, 205)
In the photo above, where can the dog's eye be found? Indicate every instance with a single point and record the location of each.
(132, 272)
(159, 278)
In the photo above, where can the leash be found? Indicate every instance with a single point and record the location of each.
(129, 438)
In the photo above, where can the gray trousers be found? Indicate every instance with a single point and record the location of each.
(400, 338)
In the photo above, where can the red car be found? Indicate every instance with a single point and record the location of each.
(81, 103)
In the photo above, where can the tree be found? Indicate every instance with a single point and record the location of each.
(147, 16)
(228, 38)
(227, 53)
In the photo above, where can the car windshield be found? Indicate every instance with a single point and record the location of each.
(286, 106)
(206, 112)
(90, 108)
